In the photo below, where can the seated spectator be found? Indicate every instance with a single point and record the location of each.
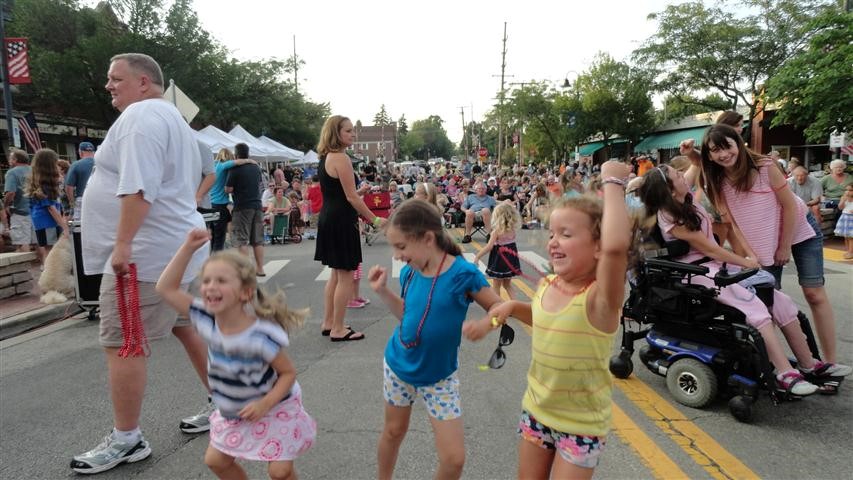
(835, 183)
(808, 189)
(278, 204)
(478, 206)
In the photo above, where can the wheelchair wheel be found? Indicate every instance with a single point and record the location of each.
(741, 408)
(296, 238)
(691, 383)
(621, 365)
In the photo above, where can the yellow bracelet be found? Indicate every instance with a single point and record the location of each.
(377, 220)
(495, 323)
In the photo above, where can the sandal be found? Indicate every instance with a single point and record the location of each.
(328, 331)
(349, 337)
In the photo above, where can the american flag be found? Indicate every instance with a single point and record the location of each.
(18, 60)
(30, 129)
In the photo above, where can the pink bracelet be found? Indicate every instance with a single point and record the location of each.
(615, 181)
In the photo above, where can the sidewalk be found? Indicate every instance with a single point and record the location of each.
(21, 313)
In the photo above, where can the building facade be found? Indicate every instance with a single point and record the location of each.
(376, 143)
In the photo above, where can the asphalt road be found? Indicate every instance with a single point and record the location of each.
(53, 402)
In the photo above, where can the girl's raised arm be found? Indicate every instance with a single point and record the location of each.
(609, 290)
(169, 283)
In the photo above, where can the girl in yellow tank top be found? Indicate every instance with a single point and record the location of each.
(574, 315)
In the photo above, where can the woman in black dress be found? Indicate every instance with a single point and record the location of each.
(338, 241)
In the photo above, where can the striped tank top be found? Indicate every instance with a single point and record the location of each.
(758, 214)
(569, 386)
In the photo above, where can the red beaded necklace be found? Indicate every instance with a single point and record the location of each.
(127, 299)
(417, 340)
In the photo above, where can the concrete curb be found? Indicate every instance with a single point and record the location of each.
(22, 322)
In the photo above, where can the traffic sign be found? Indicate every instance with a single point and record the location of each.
(483, 152)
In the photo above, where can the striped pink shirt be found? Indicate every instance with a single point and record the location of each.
(758, 213)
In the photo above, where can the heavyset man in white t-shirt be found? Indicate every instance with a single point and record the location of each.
(138, 207)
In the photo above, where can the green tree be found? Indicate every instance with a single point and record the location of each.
(813, 88)
(615, 100)
(142, 17)
(428, 138)
(699, 48)
(382, 118)
(680, 106)
(402, 126)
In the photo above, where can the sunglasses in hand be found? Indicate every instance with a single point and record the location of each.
(498, 357)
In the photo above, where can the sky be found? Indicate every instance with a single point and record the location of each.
(427, 58)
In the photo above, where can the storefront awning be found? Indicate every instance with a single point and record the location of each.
(593, 147)
(670, 139)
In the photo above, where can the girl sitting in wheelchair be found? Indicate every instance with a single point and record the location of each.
(666, 194)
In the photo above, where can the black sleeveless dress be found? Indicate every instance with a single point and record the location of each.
(338, 242)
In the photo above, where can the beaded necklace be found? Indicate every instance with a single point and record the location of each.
(417, 340)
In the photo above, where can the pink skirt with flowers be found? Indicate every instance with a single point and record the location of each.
(284, 433)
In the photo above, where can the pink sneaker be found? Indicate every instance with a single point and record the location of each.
(354, 303)
(363, 300)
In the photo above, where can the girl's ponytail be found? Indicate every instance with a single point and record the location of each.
(274, 307)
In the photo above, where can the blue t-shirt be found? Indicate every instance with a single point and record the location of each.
(41, 215)
(78, 175)
(217, 191)
(436, 356)
(475, 203)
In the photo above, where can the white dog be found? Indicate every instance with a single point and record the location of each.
(57, 279)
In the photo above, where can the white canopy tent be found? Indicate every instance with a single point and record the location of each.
(310, 158)
(209, 143)
(273, 154)
(296, 155)
(257, 153)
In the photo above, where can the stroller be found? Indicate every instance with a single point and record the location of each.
(702, 347)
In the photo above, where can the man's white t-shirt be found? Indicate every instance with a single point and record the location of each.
(150, 148)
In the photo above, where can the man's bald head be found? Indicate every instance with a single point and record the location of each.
(800, 175)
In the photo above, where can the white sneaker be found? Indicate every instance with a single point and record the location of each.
(109, 454)
(826, 369)
(200, 422)
(794, 383)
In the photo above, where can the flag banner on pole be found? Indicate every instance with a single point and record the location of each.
(30, 131)
(18, 60)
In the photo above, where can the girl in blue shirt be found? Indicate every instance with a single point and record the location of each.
(421, 357)
(43, 187)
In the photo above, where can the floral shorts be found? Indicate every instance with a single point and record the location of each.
(441, 398)
(581, 450)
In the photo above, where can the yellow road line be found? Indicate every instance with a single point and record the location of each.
(835, 255)
(661, 466)
(703, 449)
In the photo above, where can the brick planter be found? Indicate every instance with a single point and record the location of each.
(15, 276)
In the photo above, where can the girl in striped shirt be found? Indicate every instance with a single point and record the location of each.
(252, 380)
(751, 193)
(574, 314)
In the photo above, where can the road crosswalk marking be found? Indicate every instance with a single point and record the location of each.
(271, 268)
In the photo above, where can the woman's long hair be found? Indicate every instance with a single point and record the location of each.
(43, 181)
(330, 136)
(656, 194)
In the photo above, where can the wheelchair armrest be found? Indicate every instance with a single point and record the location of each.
(678, 266)
(723, 280)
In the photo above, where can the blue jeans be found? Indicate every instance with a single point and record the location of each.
(808, 255)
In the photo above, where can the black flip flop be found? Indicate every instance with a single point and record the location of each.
(328, 331)
(348, 337)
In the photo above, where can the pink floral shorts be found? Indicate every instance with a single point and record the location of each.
(581, 450)
(284, 433)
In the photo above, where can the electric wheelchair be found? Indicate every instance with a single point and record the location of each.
(702, 347)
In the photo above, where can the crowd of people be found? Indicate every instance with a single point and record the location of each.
(144, 227)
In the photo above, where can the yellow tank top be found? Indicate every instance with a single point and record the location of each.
(569, 386)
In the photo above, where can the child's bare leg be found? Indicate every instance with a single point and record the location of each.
(774, 349)
(564, 469)
(508, 287)
(534, 462)
(282, 470)
(393, 433)
(223, 466)
(797, 341)
(450, 443)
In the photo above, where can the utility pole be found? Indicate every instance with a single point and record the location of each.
(7, 89)
(521, 130)
(501, 98)
(464, 136)
(295, 66)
